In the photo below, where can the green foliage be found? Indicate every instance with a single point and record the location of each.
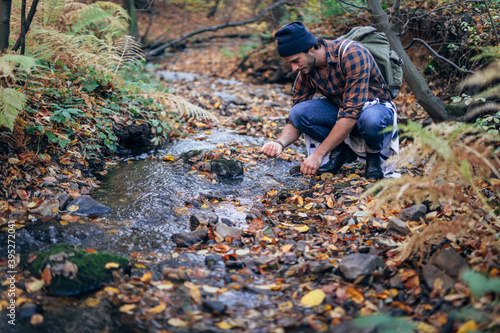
(479, 284)
(385, 323)
(11, 103)
(490, 124)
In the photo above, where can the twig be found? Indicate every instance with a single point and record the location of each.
(491, 20)
(352, 5)
(437, 56)
(176, 41)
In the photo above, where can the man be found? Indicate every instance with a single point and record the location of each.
(353, 109)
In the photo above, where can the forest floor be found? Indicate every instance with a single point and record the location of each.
(307, 260)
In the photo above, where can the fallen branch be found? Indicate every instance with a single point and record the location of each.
(437, 56)
(158, 50)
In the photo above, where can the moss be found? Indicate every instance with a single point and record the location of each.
(91, 274)
(456, 110)
(185, 157)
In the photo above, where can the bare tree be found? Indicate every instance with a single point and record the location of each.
(5, 7)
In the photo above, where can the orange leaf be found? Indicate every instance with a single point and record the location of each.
(47, 276)
(355, 295)
(146, 277)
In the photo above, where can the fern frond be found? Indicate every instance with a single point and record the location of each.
(9, 63)
(130, 53)
(11, 103)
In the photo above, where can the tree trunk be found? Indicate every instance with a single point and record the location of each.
(132, 12)
(5, 6)
(23, 27)
(425, 97)
(31, 14)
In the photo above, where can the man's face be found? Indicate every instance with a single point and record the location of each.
(304, 62)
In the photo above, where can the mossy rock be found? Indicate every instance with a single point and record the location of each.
(74, 270)
(225, 168)
(185, 157)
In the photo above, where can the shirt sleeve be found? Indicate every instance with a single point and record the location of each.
(303, 90)
(357, 63)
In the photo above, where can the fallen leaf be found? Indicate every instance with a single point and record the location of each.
(36, 285)
(469, 326)
(286, 248)
(146, 277)
(157, 309)
(313, 298)
(176, 322)
(355, 295)
(36, 319)
(223, 325)
(195, 294)
(127, 307)
(73, 208)
(46, 276)
(302, 228)
(111, 265)
(91, 302)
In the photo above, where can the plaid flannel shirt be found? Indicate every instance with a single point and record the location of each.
(349, 88)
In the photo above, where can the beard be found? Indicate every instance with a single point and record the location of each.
(310, 64)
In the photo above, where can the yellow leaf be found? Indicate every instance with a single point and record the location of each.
(176, 322)
(35, 286)
(63, 222)
(127, 307)
(309, 205)
(195, 294)
(207, 132)
(285, 306)
(355, 295)
(73, 208)
(302, 228)
(169, 158)
(36, 319)
(110, 265)
(112, 290)
(223, 325)
(329, 203)
(426, 328)
(140, 266)
(313, 298)
(286, 248)
(300, 201)
(353, 175)
(468, 327)
(91, 302)
(13, 160)
(159, 308)
(146, 277)
(204, 206)
(31, 204)
(166, 286)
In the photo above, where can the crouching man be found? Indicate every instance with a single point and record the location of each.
(350, 119)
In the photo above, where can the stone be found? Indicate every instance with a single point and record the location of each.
(317, 267)
(64, 199)
(214, 261)
(187, 156)
(395, 282)
(449, 261)
(349, 326)
(413, 213)
(28, 309)
(235, 264)
(175, 274)
(75, 271)
(359, 264)
(398, 225)
(186, 239)
(208, 220)
(288, 258)
(431, 273)
(214, 307)
(226, 231)
(224, 168)
(134, 136)
(47, 209)
(88, 206)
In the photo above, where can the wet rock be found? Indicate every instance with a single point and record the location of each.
(64, 200)
(214, 261)
(226, 231)
(398, 225)
(317, 267)
(74, 271)
(359, 264)
(224, 168)
(431, 273)
(187, 156)
(449, 261)
(47, 209)
(395, 282)
(413, 213)
(186, 239)
(28, 309)
(235, 264)
(350, 327)
(214, 307)
(300, 248)
(174, 274)
(226, 221)
(134, 136)
(208, 220)
(88, 206)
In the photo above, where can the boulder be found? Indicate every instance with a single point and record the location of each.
(226, 231)
(88, 206)
(398, 225)
(449, 261)
(68, 270)
(360, 264)
(413, 213)
(224, 168)
(208, 220)
(431, 273)
(186, 239)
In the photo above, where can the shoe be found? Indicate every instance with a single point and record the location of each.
(373, 166)
(338, 157)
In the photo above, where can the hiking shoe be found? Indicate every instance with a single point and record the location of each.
(373, 168)
(338, 157)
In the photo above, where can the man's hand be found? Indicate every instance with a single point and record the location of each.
(272, 149)
(311, 164)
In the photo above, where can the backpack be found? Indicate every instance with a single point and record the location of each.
(388, 61)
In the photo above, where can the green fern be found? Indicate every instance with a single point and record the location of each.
(10, 63)
(11, 103)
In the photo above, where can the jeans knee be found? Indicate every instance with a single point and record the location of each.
(296, 116)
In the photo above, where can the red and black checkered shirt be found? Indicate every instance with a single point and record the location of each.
(348, 88)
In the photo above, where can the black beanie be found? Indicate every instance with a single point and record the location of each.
(294, 38)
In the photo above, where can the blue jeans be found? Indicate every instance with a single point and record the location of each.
(316, 118)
